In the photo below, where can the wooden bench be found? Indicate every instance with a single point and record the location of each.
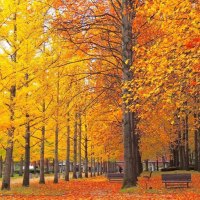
(176, 179)
(115, 176)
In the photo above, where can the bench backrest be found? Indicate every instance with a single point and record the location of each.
(176, 177)
(115, 175)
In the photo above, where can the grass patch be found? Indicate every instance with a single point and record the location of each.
(130, 190)
(34, 190)
(14, 177)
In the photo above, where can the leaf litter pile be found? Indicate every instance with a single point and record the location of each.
(100, 188)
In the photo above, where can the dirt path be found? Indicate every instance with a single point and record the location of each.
(34, 179)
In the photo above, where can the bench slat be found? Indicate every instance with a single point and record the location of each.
(115, 176)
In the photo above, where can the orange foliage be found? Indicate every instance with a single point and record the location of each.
(195, 42)
(100, 188)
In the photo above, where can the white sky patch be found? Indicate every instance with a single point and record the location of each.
(4, 46)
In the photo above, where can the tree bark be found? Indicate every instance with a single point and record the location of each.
(157, 164)
(101, 171)
(9, 148)
(105, 167)
(196, 144)
(12, 168)
(94, 164)
(97, 166)
(42, 178)
(198, 140)
(140, 167)
(56, 162)
(91, 167)
(186, 143)
(108, 166)
(27, 153)
(53, 166)
(147, 165)
(130, 171)
(136, 150)
(1, 166)
(86, 153)
(7, 169)
(67, 150)
(21, 166)
(75, 149)
(79, 147)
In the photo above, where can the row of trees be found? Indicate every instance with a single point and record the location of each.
(47, 95)
(73, 73)
(151, 49)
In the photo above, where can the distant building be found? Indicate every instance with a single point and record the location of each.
(154, 164)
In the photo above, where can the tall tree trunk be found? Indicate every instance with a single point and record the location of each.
(91, 167)
(27, 142)
(27, 153)
(157, 164)
(79, 147)
(186, 143)
(180, 146)
(106, 167)
(147, 165)
(1, 166)
(198, 140)
(67, 149)
(175, 156)
(139, 159)
(182, 157)
(97, 166)
(130, 172)
(56, 161)
(12, 168)
(140, 167)
(136, 150)
(196, 156)
(7, 168)
(21, 166)
(75, 149)
(101, 171)
(198, 133)
(9, 148)
(53, 166)
(42, 178)
(86, 153)
(94, 164)
(196, 144)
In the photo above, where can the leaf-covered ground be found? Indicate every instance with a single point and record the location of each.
(100, 188)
